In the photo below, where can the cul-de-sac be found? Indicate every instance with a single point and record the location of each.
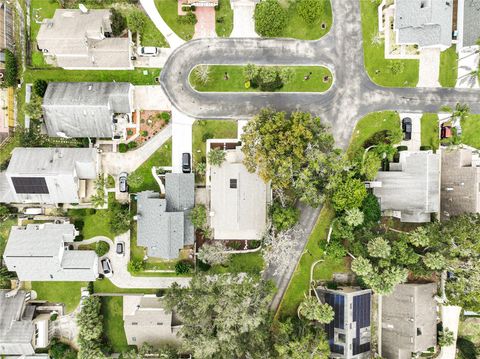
(239, 179)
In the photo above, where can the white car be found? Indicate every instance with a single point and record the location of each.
(107, 267)
(147, 51)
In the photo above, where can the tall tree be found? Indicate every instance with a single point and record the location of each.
(310, 308)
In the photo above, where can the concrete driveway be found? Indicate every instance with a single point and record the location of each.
(153, 61)
(416, 141)
(429, 68)
(243, 23)
(205, 26)
(181, 138)
(151, 97)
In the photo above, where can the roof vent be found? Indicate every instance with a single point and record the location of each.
(83, 9)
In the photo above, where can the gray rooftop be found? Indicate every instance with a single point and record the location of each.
(409, 320)
(85, 109)
(37, 252)
(460, 183)
(471, 23)
(412, 186)
(427, 23)
(16, 331)
(241, 212)
(160, 231)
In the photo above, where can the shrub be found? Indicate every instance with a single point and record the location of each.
(216, 157)
(348, 194)
(166, 116)
(183, 267)
(129, 132)
(11, 69)
(189, 18)
(198, 216)
(119, 217)
(371, 209)
(425, 148)
(253, 244)
(376, 138)
(40, 87)
(131, 145)
(90, 287)
(122, 147)
(283, 217)
(136, 265)
(53, 317)
(59, 350)
(402, 148)
(119, 23)
(309, 10)
(270, 18)
(234, 245)
(101, 248)
(144, 133)
(206, 136)
(136, 21)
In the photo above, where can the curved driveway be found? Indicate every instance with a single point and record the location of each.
(352, 95)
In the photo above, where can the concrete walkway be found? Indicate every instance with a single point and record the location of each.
(429, 68)
(243, 23)
(181, 138)
(468, 60)
(450, 319)
(114, 163)
(173, 39)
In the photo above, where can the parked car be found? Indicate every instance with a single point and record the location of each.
(120, 248)
(445, 132)
(407, 128)
(147, 51)
(107, 267)
(122, 182)
(186, 163)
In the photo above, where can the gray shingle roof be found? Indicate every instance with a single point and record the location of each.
(471, 22)
(15, 332)
(424, 22)
(37, 253)
(409, 320)
(85, 109)
(411, 186)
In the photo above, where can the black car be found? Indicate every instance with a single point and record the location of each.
(122, 182)
(407, 128)
(186, 163)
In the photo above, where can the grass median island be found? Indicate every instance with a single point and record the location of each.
(389, 73)
(317, 79)
(448, 67)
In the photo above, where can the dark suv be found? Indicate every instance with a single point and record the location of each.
(407, 128)
(186, 163)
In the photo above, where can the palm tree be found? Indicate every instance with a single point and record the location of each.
(216, 156)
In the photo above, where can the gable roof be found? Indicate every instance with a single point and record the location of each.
(412, 186)
(424, 22)
(409, 320)
(16, 331)
(85, 109)
(240, 212)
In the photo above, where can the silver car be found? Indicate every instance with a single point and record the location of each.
(107, 267)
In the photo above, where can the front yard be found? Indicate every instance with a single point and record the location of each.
(60, 292)
(297, 28)
(430, 131)
(235, 82)
(471, 131)
(241, 263)
(168, 9)
(224, 19)
(113, 331)
(91, 222)
(448, 67)
(389, 73)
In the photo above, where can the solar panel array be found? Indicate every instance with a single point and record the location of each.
(30, 185)
(337, 302)
(361, 315)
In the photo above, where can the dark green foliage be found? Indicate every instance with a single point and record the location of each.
(144, 133)
(371, 209)
(136, 265)
(40, 87)
(189, 18)
(31, 137)
(402, 148)
(90, 287)
(348, 194)
(119, 23)
(183, 267)
(335, 249)
(132, 145)
(270, 18)
(283, 217)
(59, 350)
(101, 248)
(466, 349)
(310, 10)
(11, 69)
(425, 148)
(122, 147)
(119, 217)
(166, 116)
(206, 136)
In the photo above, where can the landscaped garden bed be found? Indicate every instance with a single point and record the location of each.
(151, 123)
(250, 78)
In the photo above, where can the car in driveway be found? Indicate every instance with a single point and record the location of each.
(107, 267)
(407, 128)
(120, 248)
(147, 51)
(186, 163)
(122, 182)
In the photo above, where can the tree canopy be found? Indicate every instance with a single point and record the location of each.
(270, 18)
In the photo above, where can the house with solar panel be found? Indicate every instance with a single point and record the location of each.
(349, 334)
(50, 176)
(88, 109)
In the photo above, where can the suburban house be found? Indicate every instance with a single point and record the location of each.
(82, 39)
(238, 199)
(426, 23)
(22, 329)
(40, 252)
(7, 38)
(468, 26)
(349, 333)
(146, 321)
(409, 320)
(88, 109)
(410, 190)
(164, 225)
(460, 186)
(49, 175)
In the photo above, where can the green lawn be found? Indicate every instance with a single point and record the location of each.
(241, 263)
(389, 73)
(60, 292)
(206, 129)
(370, 124)
(448, 67)
(324, 271)
(224, 19)
(113, 332)
(105, 286)
(162, 157)
(152, 36)
(136, 77)
(168, 9)
(95, 222)
(300, 281)
(469, 329)
(297, 28)
(430, 132)
(471, 131)
(236, 81)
